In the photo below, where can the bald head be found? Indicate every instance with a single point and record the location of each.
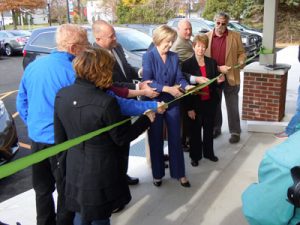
(105, 35)
(184, 29)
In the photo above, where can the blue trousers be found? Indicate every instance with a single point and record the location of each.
(291, 127)
(156, 142)
(79, 221)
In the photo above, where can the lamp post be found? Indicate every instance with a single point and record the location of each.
(68, 12)
(49, 11)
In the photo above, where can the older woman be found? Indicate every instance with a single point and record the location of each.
(95, 180)
(161, 66)
(202, 108)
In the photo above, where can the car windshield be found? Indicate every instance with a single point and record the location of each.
(133, 40)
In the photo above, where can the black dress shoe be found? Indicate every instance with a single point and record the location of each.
(194, 163)
(120, 208)
(185, 184)
(234, 138)
(157, 183)
(212, 158)
(216, 133)
(132, 180)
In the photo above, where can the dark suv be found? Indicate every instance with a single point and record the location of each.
(42, 41)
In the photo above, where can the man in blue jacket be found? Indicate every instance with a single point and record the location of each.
(41, 80)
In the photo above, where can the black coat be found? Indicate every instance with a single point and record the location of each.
(191, 67)
(95, 179)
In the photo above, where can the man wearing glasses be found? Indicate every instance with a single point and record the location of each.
(226, 47)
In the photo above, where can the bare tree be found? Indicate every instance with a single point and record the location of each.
(15, 6)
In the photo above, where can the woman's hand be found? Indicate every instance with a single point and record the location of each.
(161, 107)
(201, 80)
(188, 87)
(150, 114)
(173, 90)
(221, 79)
(192, 114)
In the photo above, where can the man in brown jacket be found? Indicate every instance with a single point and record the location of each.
(226, 47)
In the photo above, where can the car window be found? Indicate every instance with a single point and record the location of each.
(136, 41)
(198, 26)
(45, 40)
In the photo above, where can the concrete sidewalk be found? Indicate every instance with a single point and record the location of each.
(215, 195)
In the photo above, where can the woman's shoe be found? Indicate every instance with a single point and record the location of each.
(194, 163)
(157, 182)
(184, 182)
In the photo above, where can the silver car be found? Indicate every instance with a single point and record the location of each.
(14, 40)
(8, 135)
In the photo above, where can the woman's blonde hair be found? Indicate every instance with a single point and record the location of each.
(200, 38)
(163, 32)
(95, 65)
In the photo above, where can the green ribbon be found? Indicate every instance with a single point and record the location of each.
(19, 164)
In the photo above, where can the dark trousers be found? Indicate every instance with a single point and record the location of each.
(231, 94)
(45, 175)
(201, 143)
(185, 129)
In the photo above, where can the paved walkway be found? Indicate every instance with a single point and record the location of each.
(215, 195)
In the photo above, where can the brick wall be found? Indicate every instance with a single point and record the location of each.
(264, 96)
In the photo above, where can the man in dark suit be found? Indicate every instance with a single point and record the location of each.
(123, 73)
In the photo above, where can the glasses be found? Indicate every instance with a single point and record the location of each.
(223, 24)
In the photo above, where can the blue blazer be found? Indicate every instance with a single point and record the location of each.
(162, 74)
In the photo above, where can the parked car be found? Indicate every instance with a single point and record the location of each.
(1, 47)
(42, 41)
(145, 28)
(8, 135)
(198, 25)
(14, 40)
(241, 27)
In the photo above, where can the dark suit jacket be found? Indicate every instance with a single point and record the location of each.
(191, 67)
(95, 179)
(119, 78)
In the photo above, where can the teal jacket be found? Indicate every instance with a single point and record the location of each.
(265, 202)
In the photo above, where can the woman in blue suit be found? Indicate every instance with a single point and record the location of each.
(161, 66)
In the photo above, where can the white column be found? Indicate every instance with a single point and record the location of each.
(269, 29)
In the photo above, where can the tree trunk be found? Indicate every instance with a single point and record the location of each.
(15, 19)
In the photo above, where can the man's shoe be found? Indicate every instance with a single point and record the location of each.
(132, 180)
(118, 209)
(194, 163)
(234, 138)
(157, 182)
(216, 133)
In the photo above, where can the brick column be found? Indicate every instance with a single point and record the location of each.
(264, 93)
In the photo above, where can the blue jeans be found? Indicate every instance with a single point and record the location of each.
(291, 128)
(79, 221)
